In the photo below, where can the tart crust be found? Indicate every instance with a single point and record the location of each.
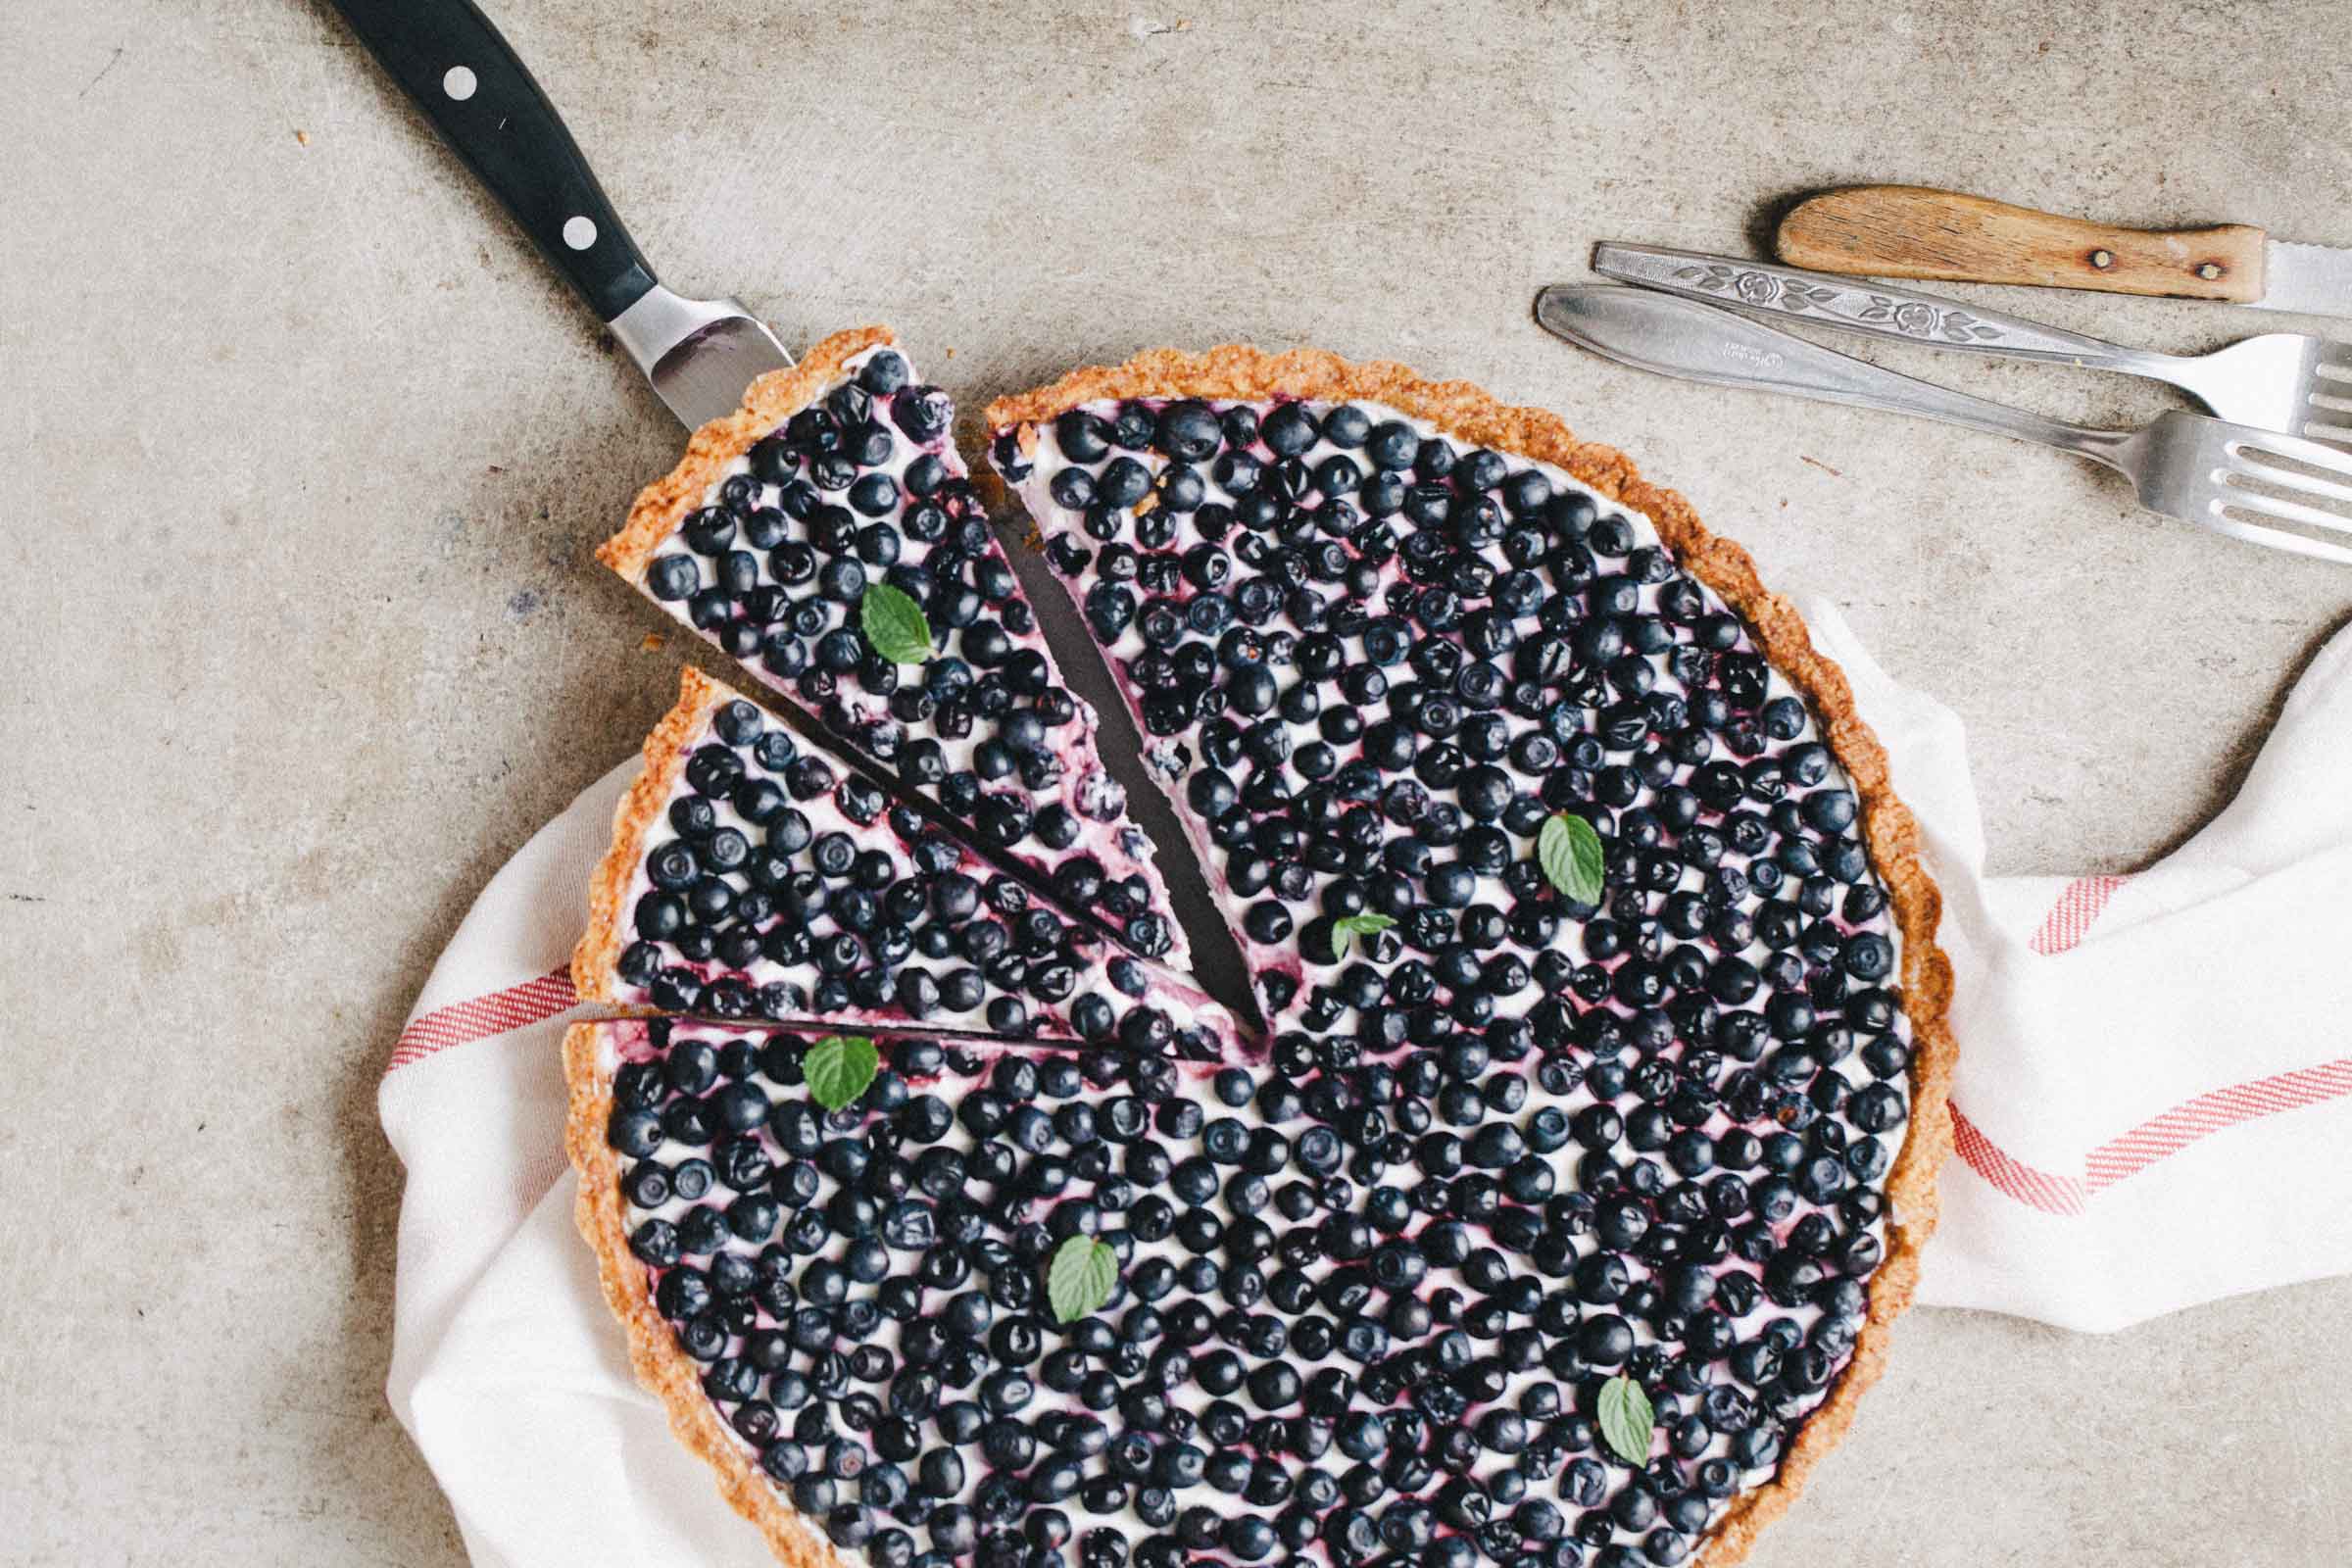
(662, 1369)
(666, 750)
(1889, 831)
(766, 402)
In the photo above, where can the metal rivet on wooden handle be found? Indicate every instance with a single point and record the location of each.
(1912, 231)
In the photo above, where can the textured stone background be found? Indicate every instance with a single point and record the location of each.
(302, 453)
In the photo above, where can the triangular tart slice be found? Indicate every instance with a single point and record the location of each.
(754, 876)
(840, 476)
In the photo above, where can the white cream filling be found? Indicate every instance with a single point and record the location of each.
(1048, 459)
(1051, 518)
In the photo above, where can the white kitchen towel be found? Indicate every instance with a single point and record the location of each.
(2155, 1090)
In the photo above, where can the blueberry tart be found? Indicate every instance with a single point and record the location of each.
(1562, 1219)
(826, 535)
(754, 876)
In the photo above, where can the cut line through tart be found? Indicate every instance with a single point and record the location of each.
(752, 875)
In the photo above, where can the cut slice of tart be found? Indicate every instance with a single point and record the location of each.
(751, 875)
(826, 536)
(1502, 766)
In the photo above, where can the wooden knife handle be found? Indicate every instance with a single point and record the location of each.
(1913, 231)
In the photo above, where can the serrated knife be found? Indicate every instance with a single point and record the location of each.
(447, 57)
(1913, 231)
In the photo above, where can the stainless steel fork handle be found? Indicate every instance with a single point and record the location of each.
(1876, 309)
(1654, 332)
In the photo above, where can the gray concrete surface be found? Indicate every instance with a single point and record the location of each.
(302, 454)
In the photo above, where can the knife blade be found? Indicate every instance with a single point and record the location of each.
(458, 69)
(1913, 231)
(2310, 279)
(698, 354)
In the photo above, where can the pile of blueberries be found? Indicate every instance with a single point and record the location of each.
(1364, 1314)
(776, 570)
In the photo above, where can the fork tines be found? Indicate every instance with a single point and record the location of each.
(2284, 479)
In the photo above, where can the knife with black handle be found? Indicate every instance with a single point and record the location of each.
(456, 66)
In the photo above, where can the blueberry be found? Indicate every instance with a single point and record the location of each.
(1347, 426)
(1877, 1109)
(885, 372)
(1187, 430)
(842, 579)
(1830, 811)
(1867, 955)
(1391, 445)
(1288, 430)
(1122, 483)
(1083, 438)
(1108, 610)
(672, 576)
(874, 494)
(922, 412)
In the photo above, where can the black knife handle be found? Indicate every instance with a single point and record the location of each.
(451, 62)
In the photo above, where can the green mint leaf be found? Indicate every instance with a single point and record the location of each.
(1347, 927)
(893, 623)
(1569, 851)
(1080, 1278)
(838, 1068)
(1626, 1419)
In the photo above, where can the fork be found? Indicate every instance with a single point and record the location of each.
(2290, 382)
(2201, 471)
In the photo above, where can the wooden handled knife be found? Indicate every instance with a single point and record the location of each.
(1913, 231)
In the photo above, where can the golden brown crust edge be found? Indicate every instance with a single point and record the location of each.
(660, 507)
(662, 1369)
(1463, 411)
(593, 961)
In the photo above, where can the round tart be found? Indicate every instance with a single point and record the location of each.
(1564, 1218)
